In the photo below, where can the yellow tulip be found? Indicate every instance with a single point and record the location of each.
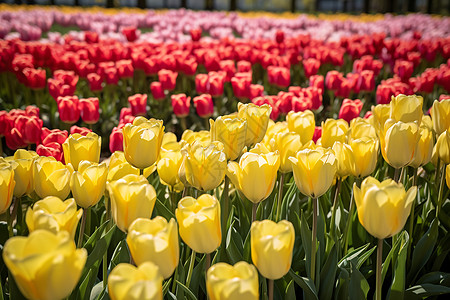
(255, 175)
(271, 247)
(55, 215)
(119, 167)
(287, 144)
(22, 164)
(442, 147)
(203, 137)
(333, 131)
(204, 168)
(406, 108)
(238, 282)
(365, 154)
(7, 184)
(272, 129)
(132, 197)
(440, 115)
(88, 183)
(314, 170)
(426, 122)
(380, 114)
(345, 160)
(302, 123)
(398, 143)
(257, 118)
(199, 223)
(51, 178)
(424, 148)
(142, 141)
(359, 128)
(78, 147)
(156, 241)
(168, 167)
(447, 175)
(231, 132)
(127, 282)
(386, 201)
(44, 265)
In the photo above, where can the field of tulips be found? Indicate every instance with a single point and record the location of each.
(314, 162)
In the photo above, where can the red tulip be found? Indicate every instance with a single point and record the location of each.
(311, 66)
(111, 75)
(95, 82)
(116, 140)
(403, 69)
(284, 102)
(53, 136)
(138, 104)
(344, 89)
(30, 128)
(204, 105)
(57, 88)
(89, 110)
(366, 81)
(32, 110)
(91, 37)
(68, 109)
(317, 81)
(51, 149)
(279, 36)
(188, 66)
(201, 83)
(241, 86)
(350, 109)
(125, 68)
(14, 139)
(168, 79)
(279, 76)
(157, 90)
(130, 33)
(301, 103)
(384, 93)
(181, 105)
(256, 90)
(35, 78)
(229, 68)
(244, 66)
(317, 134)
(333, 80)
(5, 124)
(216, 81)
(124, 112)
(81, 130)
(196, 34)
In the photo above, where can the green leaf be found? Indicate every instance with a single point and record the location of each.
(234, 245)
(426, 290)
(163, 210)
(186, 290)
(358, 287)
(120, 255)
(328, 275)
(306, 284)
(353, 255)
(433, 277)
(398, 283)
(290, 290)
(97, 291)
(305, 233)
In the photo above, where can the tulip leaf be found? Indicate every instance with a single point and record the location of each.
(358, 287)
(435, 278)
(163, 210)
(290, 290)
(363, 257)
(98, 292)
(328, 275)
(305, 233)
(120, 255)
(398, 283)
(353, 254)
(388, 258)
(426, 290)
(306, 284)
(423, 250)
(234, 245)
(186, 290)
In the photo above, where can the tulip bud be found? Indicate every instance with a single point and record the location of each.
(157, 90)
(119, 167)
(442, 147)
(7, 184)
(168, 166)
(334, 131)
(88, 183)
(231, 131)
(116, 140)
(138, 104)
(155, 241)
(314, 170)
(406, 108)
(361, 128)
(440, 115)
(51, 255)
(303, 123)
(22, 163)
(68, 109)
(95, 82)
(199, 223)
(168, 79)
(89, 110)
(143, 136)
(350, 109)
(345, 161)
(226, 282)
(424, 148)
(204, 105)
(257, 118)
(181, 105)
(365, 155)
(77, 148)
(385, 201)
(287, 144)
(272, 245)
(380, 115)
(132, 197)
(51, 178)
(255, 175)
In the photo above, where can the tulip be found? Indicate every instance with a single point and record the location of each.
(138, 104)
(424, 148)
(350, 109)
(287, 144)
(181, 105)
(155, 241)
(216, 81)
(51, 149)
(447, 175)
(231, 131)
(440, 115)
(255, 175)
(168, 79)
(442, 147)
(55, 135)
(314, 170)
(55, 215)
(203, 137)
(345, 161)
(204, 105)
(365, 155)
(95, 82)
(68, 109)
(89, 110)
(77, 148)
(196, 34)
(257, 118)
(119, 167)
(116, 140)
(22, 163)
(30, 127)
(303, 123)
(279, 76)
(403, 69)
(7, 184)
(38, 262)
(311, 66)
(157, 90)
(199, 223)
(132, 197)
(131, 33)
(143, 136)
(51, 178)
(81, 130)
(361, 128)
(88, 183)
(334, 131)
(167, 167)
(226, 282)
(127, 282)
(406, 108)
(272, 245)
(204, 167)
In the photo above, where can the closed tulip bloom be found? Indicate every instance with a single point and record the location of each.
(231, 131)
(138, 104)
(54, 214)
(7, 184)
(156, 241)
(314, 170)
(387, 201)
(127, 282)
(440, 115)
(424, 148)
(204, 105)
(365, 155)
(406, 108)
(44, 265)
(350, 109)
(89, 110)
(447, 175)
(204, 168)
(257, 118)
(181, 105)
(51, 178)
(69, 111)
(77, 148)
(380, 115)
(22, 163)
(345, 161)
(272, 245)
(302, 123)
(119, 168)
(442, 147)
(287, 144)
(255, 175)
(398, 136)
(142, 141)
(202, 136)
(199, 223)
(168, 167)
(132, 197)
(359, 128)
(88, 183)
(238, 282)
(334, 131)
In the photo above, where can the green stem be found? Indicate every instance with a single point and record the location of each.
(206, 120)
(348, 226)
(335, 203)
(396, 175)
(1, 290)
(191, 268)
(254, 209)
(280, 197)
(441, 192)
(270, 283)
(183, 123)
(105, 256)
(173, 200)
(314, 238)
(379, 267)
(411, 216)
(207, 262)
(185, 192)
(141, 172)
(9, 222)
(83, 226)
(225, 211)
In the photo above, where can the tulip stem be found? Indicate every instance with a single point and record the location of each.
(441, 192)
(83, 226)
(207, 262)
(9, 222)
(105, 256)
(351, 212)
(334, 208)
(206, 120)
(396, 175)
(254, 209)
(314, 238)
(183, 123)
(379, 267)
(270, 283)
(191, 268)
(1, 291)
(141, 172)
(411, 216)
(185, 191)
(280, 197)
